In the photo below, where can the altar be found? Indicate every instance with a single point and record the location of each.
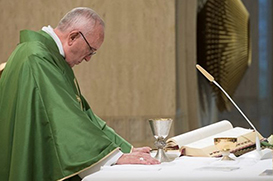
(189, 169)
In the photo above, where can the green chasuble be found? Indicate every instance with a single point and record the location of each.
(47, 129)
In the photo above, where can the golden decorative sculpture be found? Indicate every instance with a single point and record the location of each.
(223, 44)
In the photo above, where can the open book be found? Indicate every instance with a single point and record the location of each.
(200, 142)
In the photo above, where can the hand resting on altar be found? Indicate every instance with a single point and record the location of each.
(138, 156)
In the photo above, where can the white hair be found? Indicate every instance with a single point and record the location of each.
(78, 18)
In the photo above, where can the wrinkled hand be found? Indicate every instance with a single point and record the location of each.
(142, 149)
(137, 158)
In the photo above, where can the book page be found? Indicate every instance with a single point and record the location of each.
(208, 141)
(200, 133)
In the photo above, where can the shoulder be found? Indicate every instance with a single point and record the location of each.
(38, 44)
(31, 54)
(37, 53)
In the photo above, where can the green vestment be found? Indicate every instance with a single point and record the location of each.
(47, 129)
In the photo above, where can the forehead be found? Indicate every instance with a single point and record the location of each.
(96, 36)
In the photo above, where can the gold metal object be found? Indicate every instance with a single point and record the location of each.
(223, 44)
(225, 145)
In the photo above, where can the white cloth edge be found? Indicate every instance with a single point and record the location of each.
(49, 30)
(110, 160)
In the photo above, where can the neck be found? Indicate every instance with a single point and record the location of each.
(63, 37)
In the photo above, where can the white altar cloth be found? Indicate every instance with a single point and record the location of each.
(188, 169)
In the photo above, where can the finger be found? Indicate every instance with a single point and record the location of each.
(137, 158)
(142, 149)
(145, 149)
(148, 160)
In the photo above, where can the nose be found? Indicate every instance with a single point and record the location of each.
(87, 58)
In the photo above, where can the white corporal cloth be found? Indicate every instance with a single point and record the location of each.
(188, 169)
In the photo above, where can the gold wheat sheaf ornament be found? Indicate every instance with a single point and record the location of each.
(223, 44)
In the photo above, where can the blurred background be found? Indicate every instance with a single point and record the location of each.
(146, 67)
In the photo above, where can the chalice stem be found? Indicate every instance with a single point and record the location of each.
(161, 156)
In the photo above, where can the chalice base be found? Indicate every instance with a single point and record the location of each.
(161, 156)
(226, 156)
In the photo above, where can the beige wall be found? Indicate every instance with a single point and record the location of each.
(132, 78)
(140, 69)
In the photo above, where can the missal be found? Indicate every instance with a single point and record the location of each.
(200, 142)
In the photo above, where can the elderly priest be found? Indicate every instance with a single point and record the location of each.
(48, 131)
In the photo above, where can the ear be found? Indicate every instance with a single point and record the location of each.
(72, 37)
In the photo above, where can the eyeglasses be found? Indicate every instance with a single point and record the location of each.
(93, 50)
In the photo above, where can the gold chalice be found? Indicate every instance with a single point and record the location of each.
(225, 145)
(160, 129)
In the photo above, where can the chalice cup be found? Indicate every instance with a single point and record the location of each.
(225, 145)
(160, 129)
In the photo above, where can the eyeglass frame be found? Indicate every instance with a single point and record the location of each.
(93, 50)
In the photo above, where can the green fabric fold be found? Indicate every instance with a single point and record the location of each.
(47, 128)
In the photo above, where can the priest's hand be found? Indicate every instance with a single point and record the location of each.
(145, 149)
(137, 158)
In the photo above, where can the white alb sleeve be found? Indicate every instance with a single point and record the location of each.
(108, 161)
